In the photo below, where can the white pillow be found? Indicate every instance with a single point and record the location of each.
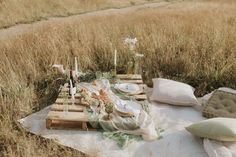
(173, 92)
(220, 129)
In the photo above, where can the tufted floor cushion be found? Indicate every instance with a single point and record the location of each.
(221, 104)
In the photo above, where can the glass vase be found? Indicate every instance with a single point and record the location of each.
(130, 67)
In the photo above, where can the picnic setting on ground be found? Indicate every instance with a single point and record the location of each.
(108, 114)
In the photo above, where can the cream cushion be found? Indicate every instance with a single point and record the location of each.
(221, 129)
(220, 104)
(173, 92)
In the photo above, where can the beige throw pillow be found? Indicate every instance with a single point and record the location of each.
(173, 92)
(221, 129)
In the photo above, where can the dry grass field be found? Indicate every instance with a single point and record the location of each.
(193, 42)
(23, 11)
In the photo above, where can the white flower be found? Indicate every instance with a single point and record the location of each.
(131, 42)
(60, 68)
(139, 55)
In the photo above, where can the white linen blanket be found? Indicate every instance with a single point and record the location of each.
(176, 141)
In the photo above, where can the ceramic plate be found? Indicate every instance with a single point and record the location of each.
(129, 88)
(128, 107)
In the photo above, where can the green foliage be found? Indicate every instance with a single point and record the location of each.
(122, 139)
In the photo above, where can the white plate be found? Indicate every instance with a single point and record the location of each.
(130, 88)
(128, 107)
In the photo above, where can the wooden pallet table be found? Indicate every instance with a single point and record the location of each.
(75, 117)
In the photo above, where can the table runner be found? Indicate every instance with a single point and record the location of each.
(141, 124)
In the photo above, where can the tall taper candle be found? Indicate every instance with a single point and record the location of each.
(76, 66)
(115, 61)
(72, 92)
(71, 87)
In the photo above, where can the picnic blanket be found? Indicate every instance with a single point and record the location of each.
(176, 140)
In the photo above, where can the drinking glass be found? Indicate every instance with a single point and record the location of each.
(65, 104)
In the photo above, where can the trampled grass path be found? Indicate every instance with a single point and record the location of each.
(20, 29)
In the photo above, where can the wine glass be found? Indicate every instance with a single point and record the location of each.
(65, 104)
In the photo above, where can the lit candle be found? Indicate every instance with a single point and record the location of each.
(115, 57)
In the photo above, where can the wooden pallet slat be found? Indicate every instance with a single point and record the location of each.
(75, 117)
(69, 116)
(133, 81)
(68, 101)
(129, 77)
(140, 97)
(61, 95)
(68, 125)
(71, 108)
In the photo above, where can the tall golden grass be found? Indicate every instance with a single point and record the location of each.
(194, 42)
(23, 11)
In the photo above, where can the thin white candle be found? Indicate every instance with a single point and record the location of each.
(115, 61)
(71, 87)
(72, 92)
(76, 66)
